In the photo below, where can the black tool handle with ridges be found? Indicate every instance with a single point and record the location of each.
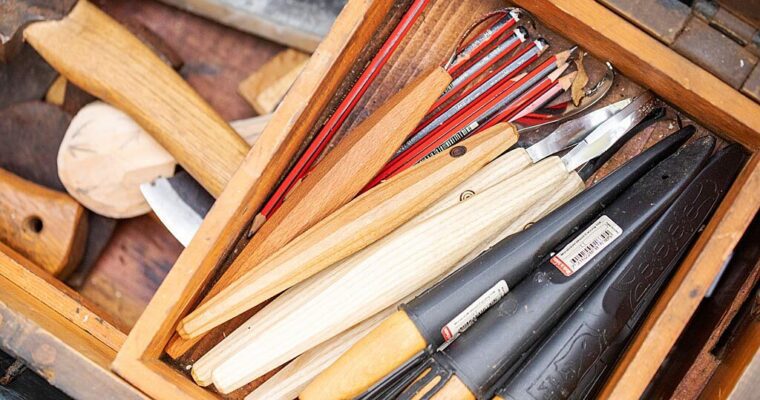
(577, 353)
(485, 352)
(513, 258)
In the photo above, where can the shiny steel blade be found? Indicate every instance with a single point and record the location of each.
(606, 134)
(180, 203)
(573, 131)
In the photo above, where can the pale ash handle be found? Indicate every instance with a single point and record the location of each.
(97, 54)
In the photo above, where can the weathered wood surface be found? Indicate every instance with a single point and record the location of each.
(131, 268)
(56, 349)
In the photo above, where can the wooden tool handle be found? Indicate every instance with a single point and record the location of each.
(43, 225)
(100, 56)
(336, 180)
(358, 223)
(387, 346)
(496, 171)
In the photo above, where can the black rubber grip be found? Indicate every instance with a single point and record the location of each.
(583, 349)
(482, 355)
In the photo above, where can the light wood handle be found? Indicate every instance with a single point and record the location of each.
(45, 226)
(386, 347)
(355, 225)
(359, 368)
(102, 57)
(335, 180)
(454, 389)
(356, 288)
(496, 171)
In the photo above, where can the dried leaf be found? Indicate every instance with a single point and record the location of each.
(576, 90)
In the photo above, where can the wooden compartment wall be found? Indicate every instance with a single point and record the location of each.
(604, 34)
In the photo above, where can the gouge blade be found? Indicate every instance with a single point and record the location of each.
(573, 131)
(606, 134)
(180, 203)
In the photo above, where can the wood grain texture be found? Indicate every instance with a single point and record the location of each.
(290, 380)
(44, 225)
(100, 56)
(265, 88)
(105, 156)
(216, 58)
(396, 332)
(671, 76)
(356, 225)
(355, 289)
(56, 348)
(130, 270)
(335, 180)
(369, 360)
(686, 289)
(138, 361)
(59, 298)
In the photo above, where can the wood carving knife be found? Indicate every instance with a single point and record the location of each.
(594, 333)
(103, 58)
(360, 368)
(470, 366)
(379, 211)
(385, 271)
(334, 180)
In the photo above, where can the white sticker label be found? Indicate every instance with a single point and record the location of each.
(588, 244)
(470, 314)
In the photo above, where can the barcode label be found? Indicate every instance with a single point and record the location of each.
(588, 244)
(470, 314)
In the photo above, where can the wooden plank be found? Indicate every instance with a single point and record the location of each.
(686, 289)
(56, 348)
(296, 23)
(59, 297)
(674, 78)
(738, 375)
(138, 360)
(265, 88)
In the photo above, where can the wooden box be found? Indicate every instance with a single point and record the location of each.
(328, 76)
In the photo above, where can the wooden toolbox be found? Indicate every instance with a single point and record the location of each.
(84, 340)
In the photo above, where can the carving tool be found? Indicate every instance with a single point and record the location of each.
(349, 229)
(494, 81)
(490, 34)
(471, 365)
(593, 335)
(484, 107)
(469, 124)
(320, 141)
(45, 226)
(102, 57)
(410, 256)
(378, 212)
(418, 325)
(339, 177)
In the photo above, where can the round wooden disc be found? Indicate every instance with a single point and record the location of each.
(105, 156)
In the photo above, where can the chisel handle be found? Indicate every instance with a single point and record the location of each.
(102, 57)
(359, 223)
(45, 226)
(494, 172)
(368, 361)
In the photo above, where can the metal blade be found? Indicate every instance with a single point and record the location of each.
(180, 203)
(606, 134)
(573, 131)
